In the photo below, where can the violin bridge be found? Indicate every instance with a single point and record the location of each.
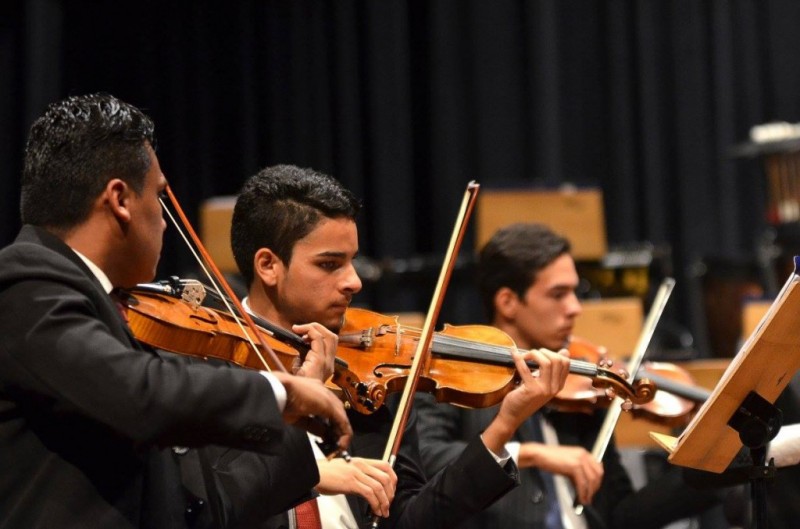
(193, 293)
(367, 336)
(398, 341)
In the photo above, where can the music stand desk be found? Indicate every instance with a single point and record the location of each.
(764, 365)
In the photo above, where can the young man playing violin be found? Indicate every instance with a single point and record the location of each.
(527, 281)
(294, 238)
(87, 413)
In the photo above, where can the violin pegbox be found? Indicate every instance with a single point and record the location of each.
(364, 397)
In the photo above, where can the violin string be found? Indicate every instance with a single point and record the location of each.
(499, 353)
(208, 274)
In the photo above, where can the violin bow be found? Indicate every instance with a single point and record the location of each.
(615, 409)
(421, 355)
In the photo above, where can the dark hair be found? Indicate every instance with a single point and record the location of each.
(74, 149)
(513, 257)
(280, 205)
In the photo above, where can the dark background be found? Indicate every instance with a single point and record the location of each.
(406, 101)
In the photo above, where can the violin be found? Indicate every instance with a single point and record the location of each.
(675, 399)
(470, 365)
(169, 315)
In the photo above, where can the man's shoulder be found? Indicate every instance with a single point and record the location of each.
(30, 258)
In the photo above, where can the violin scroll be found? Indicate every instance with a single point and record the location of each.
(604, 383)
(645, 391)
(364, 397)
(615, 384)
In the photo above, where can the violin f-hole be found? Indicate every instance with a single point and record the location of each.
(204, 315)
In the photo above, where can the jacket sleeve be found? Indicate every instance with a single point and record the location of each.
(617, 504)
(442, 439)
(60, 351)
(251, 487)
(466, 485)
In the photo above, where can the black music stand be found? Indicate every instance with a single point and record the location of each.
(758, 421)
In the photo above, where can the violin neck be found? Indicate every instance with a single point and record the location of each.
(695, 394)
(287, 337)
(460, 349)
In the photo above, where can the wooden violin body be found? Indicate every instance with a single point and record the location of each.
(168, 323)
(170, 316)
(173, 323)
(380, 348)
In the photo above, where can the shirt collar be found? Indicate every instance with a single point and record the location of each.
(246, 306)
(99, 274)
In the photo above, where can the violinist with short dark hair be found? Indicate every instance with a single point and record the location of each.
(527, 280)
(87, 415)
(302, 273)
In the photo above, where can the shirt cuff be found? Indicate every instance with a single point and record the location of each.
(277, 389)
(512, 447)
(785, 448)
(502, 458)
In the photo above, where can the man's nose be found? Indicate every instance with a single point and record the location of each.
(352, 282)
(574, 305)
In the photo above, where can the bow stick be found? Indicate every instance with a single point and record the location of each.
(422, 355)
(614, 411)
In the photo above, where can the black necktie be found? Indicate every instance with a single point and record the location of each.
(553, 517)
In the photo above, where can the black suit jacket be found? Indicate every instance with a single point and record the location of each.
(469, 484)
(86, 416)
(244, 488)
(443, 428)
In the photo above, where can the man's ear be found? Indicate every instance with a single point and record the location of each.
(267, 266)
(506, 302)
(117, 195)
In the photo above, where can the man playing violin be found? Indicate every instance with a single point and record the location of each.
(294, 238)
(88, 414)
(527, 281)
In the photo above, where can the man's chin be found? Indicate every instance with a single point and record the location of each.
(560, 343)
(335, 324)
